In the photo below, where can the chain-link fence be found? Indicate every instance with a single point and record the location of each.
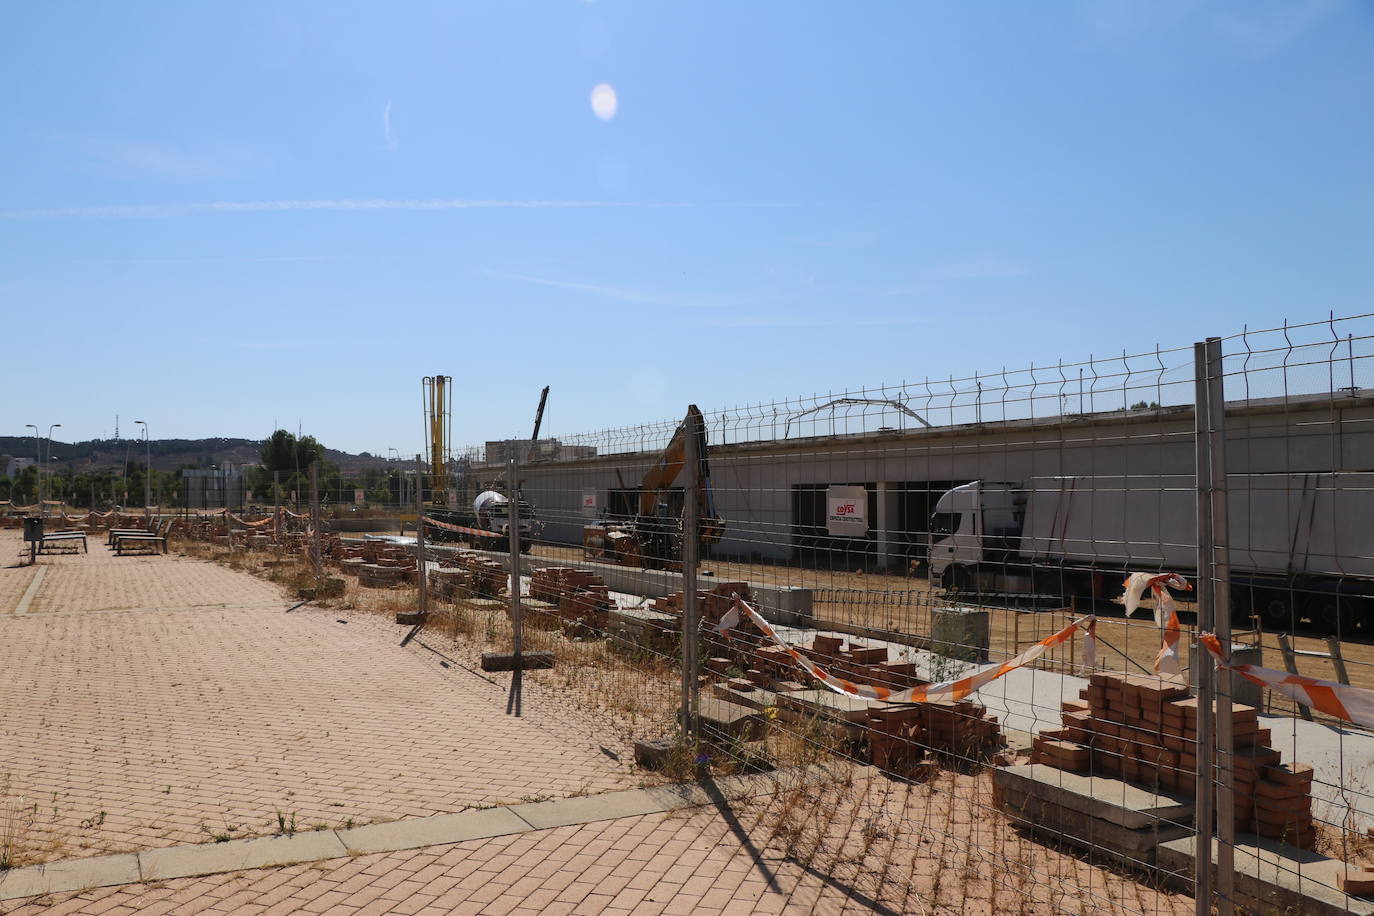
(1015, 641)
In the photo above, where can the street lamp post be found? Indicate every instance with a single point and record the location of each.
(148, 470)
(43, 509)
(37, 463)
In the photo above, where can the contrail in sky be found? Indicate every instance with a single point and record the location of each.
(390, 141)
(138, 211)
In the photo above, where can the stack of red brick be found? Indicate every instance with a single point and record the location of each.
(580, 599)
(489, 577)
(962, 728)
(862, 664)
(1144, 729)
(712, 604)
(449, 584)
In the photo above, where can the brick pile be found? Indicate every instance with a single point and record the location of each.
(1144, 730)
(962, 728)
(579, 600)
(373, 575)
(713, 603)
(449, 584)
(489, 577)
(862, 664)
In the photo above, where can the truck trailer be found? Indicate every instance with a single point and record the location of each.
(1301, 545)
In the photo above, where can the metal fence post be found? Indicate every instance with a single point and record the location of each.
(1219, 571)
(276, 506)
(421, 577)
(316, 560)
(690, 542)
(513, 519)
(1205, 807)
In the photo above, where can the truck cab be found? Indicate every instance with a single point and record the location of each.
(974, 525)
(493, 512)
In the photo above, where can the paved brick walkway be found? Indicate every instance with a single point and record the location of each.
(203, 711)
(647, 864)
(140, 728)
(100, 580)
(685, 862)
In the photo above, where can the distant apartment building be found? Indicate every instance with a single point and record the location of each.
(499, 451)
(14, 466)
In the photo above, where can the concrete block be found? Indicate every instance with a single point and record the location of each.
(418, 832)
(828, 704)
(69, 875)
(778, 604)
(1111, 800)
(1134, 848)
(237, 855)
(566, 811)
(1273, 877)
(505, 661)
(721, 718)
(961, 632)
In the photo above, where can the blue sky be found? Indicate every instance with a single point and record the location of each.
(218, 218)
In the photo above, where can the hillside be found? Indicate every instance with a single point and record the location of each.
(168, 454)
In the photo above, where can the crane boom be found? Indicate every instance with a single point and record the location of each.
(538, 421)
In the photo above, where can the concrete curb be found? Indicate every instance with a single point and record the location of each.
(29, 593)
(413, 833)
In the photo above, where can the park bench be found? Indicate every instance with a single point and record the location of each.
(115, 534)
(143, 541)
(63, 542)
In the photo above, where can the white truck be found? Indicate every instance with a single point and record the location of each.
(1301, 544)
(492, 511)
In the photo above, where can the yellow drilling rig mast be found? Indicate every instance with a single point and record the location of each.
(437, 392)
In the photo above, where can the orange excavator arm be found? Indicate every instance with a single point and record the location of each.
(671, 463)
(661, 476)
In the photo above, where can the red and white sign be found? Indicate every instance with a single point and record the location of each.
(589, 506)
(359, 497)
(846, 511)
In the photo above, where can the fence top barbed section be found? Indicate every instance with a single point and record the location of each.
(1332, 357)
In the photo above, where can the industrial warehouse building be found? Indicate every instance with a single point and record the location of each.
(772, 493)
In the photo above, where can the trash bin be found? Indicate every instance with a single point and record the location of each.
(33, 528)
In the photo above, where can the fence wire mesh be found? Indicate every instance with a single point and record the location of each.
(901, 544)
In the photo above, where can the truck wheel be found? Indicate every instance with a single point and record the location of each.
(1277, 613)
(961, 580)
(1334, 615)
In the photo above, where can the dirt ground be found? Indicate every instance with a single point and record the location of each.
(1128, 644)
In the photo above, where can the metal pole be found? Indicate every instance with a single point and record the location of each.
(1220, 574)
(276, 506)
(316, 560)
(513, 519)
(421, 579)
(1205, 807)
(690, 543)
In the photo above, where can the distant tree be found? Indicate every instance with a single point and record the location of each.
(1143, 405)
(279, 452)
(308, 450)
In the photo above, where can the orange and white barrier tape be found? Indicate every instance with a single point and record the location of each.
(1353, 704)
(247, 524)
(1166, 613)
(459, 528)
(948, 691)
